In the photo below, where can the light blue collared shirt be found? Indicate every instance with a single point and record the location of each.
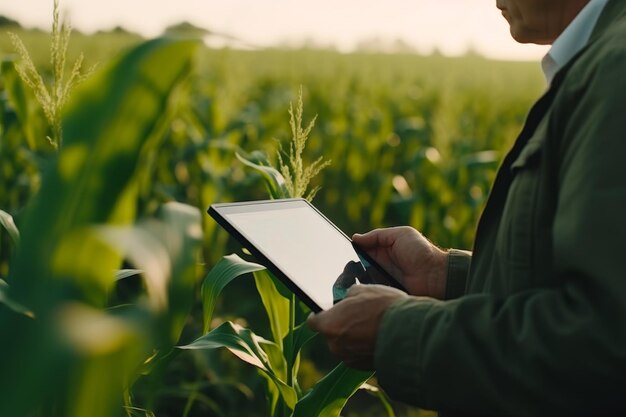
(573, 39)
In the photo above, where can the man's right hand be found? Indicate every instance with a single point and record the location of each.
(409, 257)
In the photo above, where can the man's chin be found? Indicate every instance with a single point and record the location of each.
(529, 38)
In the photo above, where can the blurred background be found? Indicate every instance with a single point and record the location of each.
(416, 104)
(452, 27)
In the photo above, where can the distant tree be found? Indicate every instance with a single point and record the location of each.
(377, 45)
(8, 22)
(187, 29)
(120, 29)
(472, 51)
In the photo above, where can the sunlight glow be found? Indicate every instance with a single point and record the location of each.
(450, 26)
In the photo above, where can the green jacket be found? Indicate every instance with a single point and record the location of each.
(536, 326)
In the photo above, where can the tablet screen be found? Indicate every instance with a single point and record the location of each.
(303, 245)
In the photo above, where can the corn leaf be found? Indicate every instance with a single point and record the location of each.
(144, 248)
(302, 334)
(276, 304)
(165, 253)
(6, 220)
(182, 239)
(274, 180)
(226, 270)
(244, 344)
(108, 123)
(275, 358)
(384, 400)
(21, 100)
(127, 273)
(111, 342)
(328, 397)
(12, 305)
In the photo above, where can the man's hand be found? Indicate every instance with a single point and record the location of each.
(351, 326)
(409, 257)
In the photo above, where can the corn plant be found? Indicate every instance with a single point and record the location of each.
(53, 95)
(67, 351)
(415, 140)
(278, 359)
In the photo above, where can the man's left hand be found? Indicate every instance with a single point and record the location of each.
(352, 325)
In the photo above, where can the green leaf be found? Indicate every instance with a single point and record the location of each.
(328, 397)
(6, 300)
(109, 120)
(183, 239)
(275, 303)
(301, 335)
(6, 220)
(101, 342)
(378, 393)
(112, 119)
(244, 344)
(142, 246)
(226, 270)
(275, 358)
(277, 300)
(240, 341)
(274, 180)
(165, 252)
(23, 102)
(126, 273)
(138, 412)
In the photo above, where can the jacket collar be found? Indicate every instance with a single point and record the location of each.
(574, 38)
(614, 11)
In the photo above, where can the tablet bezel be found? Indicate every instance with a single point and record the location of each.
(220, 210)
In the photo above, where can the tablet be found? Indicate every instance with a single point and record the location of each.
(301, 247)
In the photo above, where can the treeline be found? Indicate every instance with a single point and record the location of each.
(8, 22)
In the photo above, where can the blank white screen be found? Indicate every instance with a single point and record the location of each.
(303, 245)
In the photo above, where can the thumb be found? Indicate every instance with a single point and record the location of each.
(314, 321)
(367, 240)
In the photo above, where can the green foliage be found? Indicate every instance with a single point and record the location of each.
(274, 181)
(278, 360)
(280, 304)
(249, 348)
(331, 393)
(227, 269)
(12, 305)
(109, 271)
(54, 95)
(277, 304)
(291, 178)
(72, 235)
(6, 221)
(297, 176)
(104, 136)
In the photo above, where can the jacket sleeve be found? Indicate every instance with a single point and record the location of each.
(543, 351)
(458, 268)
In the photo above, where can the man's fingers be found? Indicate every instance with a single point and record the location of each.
(368, 240)
(380, 237)
(316, 321)
(355, 289)
(313, 322)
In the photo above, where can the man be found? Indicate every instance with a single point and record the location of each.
(537, 324)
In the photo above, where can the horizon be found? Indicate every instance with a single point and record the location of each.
(450, 27)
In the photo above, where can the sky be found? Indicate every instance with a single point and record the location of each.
(450, 26)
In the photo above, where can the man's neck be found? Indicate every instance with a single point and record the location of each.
(572, 39)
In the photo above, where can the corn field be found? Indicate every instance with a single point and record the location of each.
(111, 302)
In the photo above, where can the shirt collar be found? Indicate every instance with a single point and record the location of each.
(573, 39)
